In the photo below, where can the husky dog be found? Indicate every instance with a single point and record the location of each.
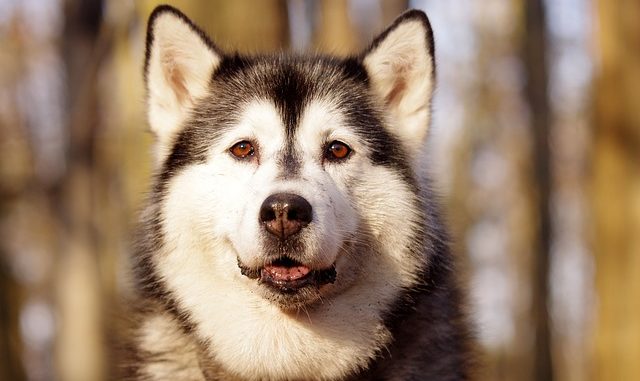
(290, 232)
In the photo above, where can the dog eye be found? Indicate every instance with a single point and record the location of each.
(337, 150)
(242, 149)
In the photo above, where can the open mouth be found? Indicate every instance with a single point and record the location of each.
(288, 275)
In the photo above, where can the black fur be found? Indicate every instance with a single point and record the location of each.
(289, 162)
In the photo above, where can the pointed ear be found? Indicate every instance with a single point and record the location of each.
(400, 64)
(180, 60)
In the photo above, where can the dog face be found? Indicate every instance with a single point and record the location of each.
(279, 169)
(287, 181)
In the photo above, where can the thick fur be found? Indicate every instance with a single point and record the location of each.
(394, 311)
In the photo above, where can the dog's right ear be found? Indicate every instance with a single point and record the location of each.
(180, 60)
(401, 66)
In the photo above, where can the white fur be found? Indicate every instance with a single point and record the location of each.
(401, 69)
(176, 355)
(210, 219)
(179, 70)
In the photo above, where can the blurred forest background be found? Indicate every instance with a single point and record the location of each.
(535, 146)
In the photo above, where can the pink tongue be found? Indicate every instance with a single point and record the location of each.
(287, 273)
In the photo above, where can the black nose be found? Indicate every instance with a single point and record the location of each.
(284, 214)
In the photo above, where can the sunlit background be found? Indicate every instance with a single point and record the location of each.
(535, 147)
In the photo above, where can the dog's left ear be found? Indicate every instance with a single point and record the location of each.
(180, 60)
(401, 68)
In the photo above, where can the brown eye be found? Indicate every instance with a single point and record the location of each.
(242, 149)
(337, 151)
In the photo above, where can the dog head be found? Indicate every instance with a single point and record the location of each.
(292, 178)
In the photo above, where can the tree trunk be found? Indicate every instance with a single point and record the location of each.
(244, 25)
(79, 348)
(536, 90)
(336, 33)
(615, 191)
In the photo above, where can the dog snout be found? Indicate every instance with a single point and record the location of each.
(285, 214)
